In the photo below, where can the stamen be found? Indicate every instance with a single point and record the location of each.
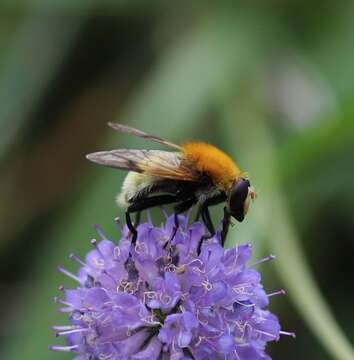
(64, 348)
(64, 327)
(188, 214)
(69, 274)
(128, 288)
(265, 333)
(177, 269)
(243, 304)
(266, 259)
(140, 248)
(95, 244)
(207, 285)
(165, 213)
(184, 296)
(242, 289)
(103, 356)
(73, 331)
(77, 259)
(200, 321)
(151, 320)
(165, 298)
(286, 333)
(169, 268)
(148, 215)
(236, 354)
(281, 292)
(116, 252)
(99, 232)
(196, 270)
(118, 224)
(58, 300)
(65, 309)
(149, 295)
(195, 260)
(200, 339)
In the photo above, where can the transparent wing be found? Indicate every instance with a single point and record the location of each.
(159, 163)
(132, 131)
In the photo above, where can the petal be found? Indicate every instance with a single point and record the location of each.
(237, 257)
(225, 344)
(96, 297)
(189, 320)
(106, 247)
(151, 352)
(211, 255)
(133, 343)
(166, 335)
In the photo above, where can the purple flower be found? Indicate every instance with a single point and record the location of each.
(160, 299)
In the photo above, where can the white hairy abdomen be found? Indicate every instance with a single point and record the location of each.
(133, 183)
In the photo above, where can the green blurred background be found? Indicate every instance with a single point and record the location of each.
(270, 82)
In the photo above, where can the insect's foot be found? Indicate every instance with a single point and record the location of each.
(202, 239)
(174, 232)
(134, 237)
(223, 239)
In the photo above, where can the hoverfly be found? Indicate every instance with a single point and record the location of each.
(194, 173)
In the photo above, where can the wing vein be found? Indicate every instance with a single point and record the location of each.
(157, 163)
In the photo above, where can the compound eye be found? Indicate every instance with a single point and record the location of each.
(237, 199)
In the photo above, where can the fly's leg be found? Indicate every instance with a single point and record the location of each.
(131, 227)
(174, 231)
(225, 225)
(208, 199)
(144, 204)
(179, 209)
(208, 224)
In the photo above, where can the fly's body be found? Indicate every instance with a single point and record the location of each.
(210, 161)
(197, 173)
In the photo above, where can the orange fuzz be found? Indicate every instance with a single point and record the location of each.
(210, 160)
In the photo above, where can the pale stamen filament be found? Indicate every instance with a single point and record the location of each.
(207, 285)
(165, 298)
(116, 252)
(105, 356)
(140, 248)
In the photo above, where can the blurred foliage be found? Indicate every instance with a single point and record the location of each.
(272, 83)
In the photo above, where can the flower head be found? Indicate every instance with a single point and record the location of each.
(161, 299)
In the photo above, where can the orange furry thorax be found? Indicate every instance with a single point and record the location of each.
(210, 160)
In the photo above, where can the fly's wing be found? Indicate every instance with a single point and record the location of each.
(129, 130)
(158, 163)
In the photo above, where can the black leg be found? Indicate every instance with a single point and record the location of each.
(208, 223)
(197, 216)
(225, 225)
(131, 227)
(178, 209)
(209, 199)
(175, 228)
(142, 205)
